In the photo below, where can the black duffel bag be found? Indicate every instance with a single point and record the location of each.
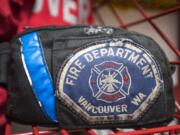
(86, 77)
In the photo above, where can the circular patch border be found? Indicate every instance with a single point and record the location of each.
(116, 118)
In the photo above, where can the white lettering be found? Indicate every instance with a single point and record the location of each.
(138, 99)
(141, 95)
(150, 75)
(120, 52)
(79, 64)
(147, 71)
(52, 4)
(69, 81)
(133, 58)
(110, 52)
(101, 109)
(112, 109)
(130, 55)
(53, 7)
(74, 71)
(140, 62)
(124, 108)
(81, 99)
(94, 110)
(38, 6)
(118, 108)
(103, 51)
(126, 53)
(95, 54)
(88, 57)
(68, 6)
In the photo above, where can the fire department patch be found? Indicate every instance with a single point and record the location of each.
(112, 80)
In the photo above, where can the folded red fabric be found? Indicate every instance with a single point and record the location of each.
(3, 98)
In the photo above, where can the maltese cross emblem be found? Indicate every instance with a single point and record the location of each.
(110, 81)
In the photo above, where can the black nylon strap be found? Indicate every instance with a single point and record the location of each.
(4, 58)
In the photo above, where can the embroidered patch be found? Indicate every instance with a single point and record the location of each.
(109, 81)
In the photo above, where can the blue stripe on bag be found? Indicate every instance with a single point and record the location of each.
(38, 73)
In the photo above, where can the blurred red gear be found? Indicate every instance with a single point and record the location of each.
(16, 14)
(3, 99)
